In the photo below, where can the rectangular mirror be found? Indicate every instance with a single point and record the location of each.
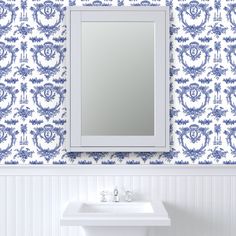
(117, 94)
(115, 62)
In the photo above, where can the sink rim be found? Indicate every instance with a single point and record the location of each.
(71, 216)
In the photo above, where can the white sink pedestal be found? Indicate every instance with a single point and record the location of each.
(115, 231)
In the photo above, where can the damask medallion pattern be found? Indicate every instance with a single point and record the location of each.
(202, 83)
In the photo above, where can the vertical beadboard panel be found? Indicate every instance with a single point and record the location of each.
(208, 204)
(11, 206)
(92, 188)
(48, 201)
(65, 197)
(181, 189)
(72, 196)
(55, 206)
(226, 198)
(137, 187)
(197, 205)
(3, 207)
(20, 205)
(28, 207)
(37, 208)
(232, 213)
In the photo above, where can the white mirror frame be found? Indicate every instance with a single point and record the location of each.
(159, 142)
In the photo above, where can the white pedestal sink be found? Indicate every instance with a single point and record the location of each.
(115, 219)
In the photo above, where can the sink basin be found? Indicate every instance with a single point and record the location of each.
(115, 214)
(116, 208)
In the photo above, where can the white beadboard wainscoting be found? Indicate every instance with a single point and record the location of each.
(201, 201)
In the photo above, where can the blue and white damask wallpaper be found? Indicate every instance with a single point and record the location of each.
(202, 83)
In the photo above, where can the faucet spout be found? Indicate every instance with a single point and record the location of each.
(116, 195)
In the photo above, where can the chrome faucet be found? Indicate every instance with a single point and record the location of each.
(103, 196)
(128, 196)
(116, 195)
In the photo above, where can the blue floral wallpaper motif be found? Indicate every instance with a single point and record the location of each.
(202, 83)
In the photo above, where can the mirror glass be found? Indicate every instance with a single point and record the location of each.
(117, 78)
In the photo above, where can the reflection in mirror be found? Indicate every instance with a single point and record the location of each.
(117, 78)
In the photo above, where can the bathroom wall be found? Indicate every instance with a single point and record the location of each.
(200, 201)
(33, 77)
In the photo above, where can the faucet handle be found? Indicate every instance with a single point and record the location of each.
(128, 196)
(103, 196)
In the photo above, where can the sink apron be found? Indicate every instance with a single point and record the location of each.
(115, 231)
